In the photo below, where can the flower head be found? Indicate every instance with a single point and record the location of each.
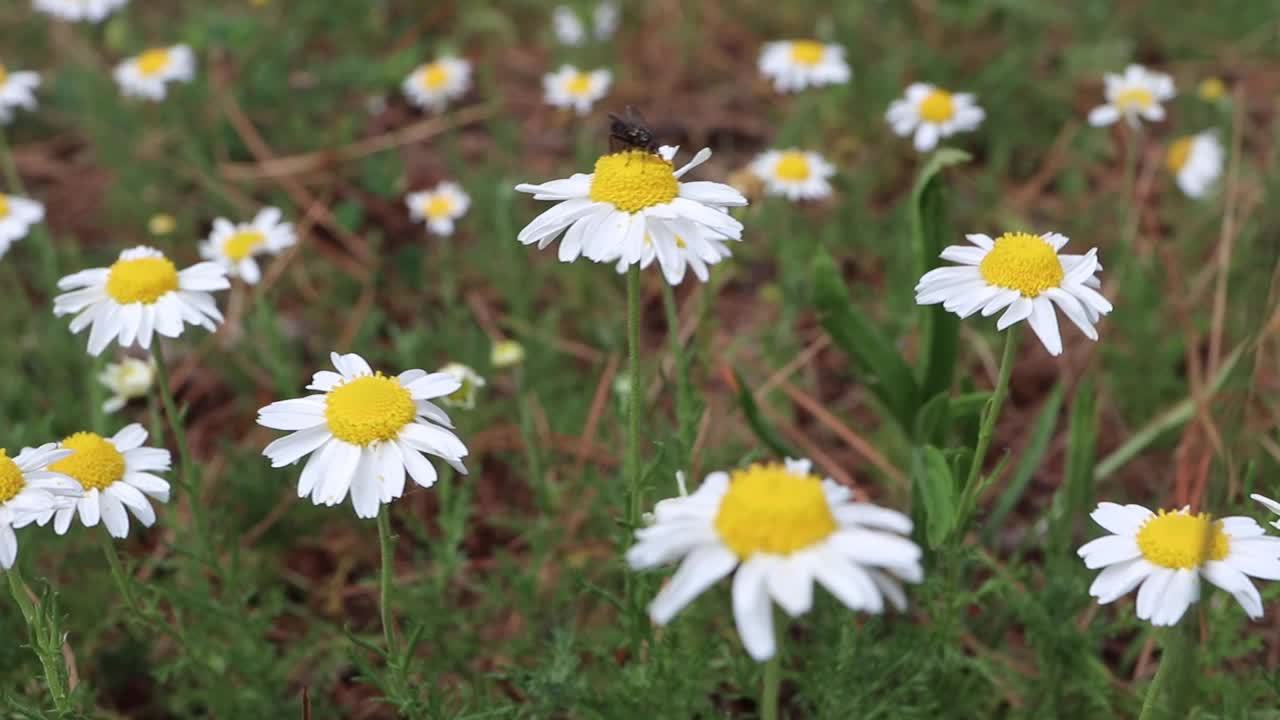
(17, 215)
(1211, 89)
(1196, 161)
(146, 75)
(233, 246)
(439, 207)
(567, 26)
(794, 65)
(506, 353)
(1024, 273)
(17, 90)
(433, 85)
(29, 491)
(781, 528)
(114, 473)
(1167, 553)
(128, 379)
(933, 113)
(364, 431)
(93, 11)
(794, 174)
(471, 382)
(570, 87)
(1135, 95)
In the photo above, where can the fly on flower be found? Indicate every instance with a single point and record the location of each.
(631, 132)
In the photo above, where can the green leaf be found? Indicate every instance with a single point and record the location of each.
(1041, 433)
(761, 427)
(890, 378)
(932, 419)
(932, 477)
(1076, 493)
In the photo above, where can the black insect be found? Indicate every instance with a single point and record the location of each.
(631, 132)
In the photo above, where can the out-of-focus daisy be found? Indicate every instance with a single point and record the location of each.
(1167, 554)
(364, 432)
(128, 379)
(506, 353)
(1211, 89)
(1135, 95)
(470, 383)
(140, 294)
(17, 90)
(77, 10)
(1024, 273)
(161, 224)
(933, 113)
(434, 85)
(604, 20)
(439, 206)
(116, 473)
(794, 65)
(794, 174)
(17, 215)
(233, 246)
(781, 528)
(634, 202)
(1269, 504)
(29, 490)
(569, 87)
(567, 26)
(1196, 162)
(147, 75)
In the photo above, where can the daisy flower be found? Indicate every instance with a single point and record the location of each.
(1196, 162)
(471, 382)
(433, 85)
(1135, 94)
(506, 353)
(140, 294)
(17, 90)
(697, 253)
(634, 202)
(1024, 273)
(781, 528)
(1167, 553)
(234, 246)
(363, 432)
(17, 215)
(29, 490)
(933, 113)
(115, 473)
(568, 87)
(439, 207)
(794, 65)
(794, 174)
(604, 20)
(567, 27)
(77, 10)
(1269, 504)
(128, 379)
(146, 75)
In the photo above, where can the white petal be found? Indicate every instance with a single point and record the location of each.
(700, 569)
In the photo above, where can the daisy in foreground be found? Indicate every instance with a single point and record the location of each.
(1196, 162)
(781, 528)
(364, 431)
(570, 87)
(147, 75)
(128, 379)
(794, 174)
(1135, 95)
(233, 245)
(933, 113)
(115, 473)
(17, 90)
(77, 10)
(1024, 275)
(28, 491)
(433, 85)
(634, 206)
(439, 207)
(17, 215)
(142, 293)
(794, 65)
(1167, 553)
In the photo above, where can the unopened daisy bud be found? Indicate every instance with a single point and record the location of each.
(147, 75)
(17, 90)
(128, 379)
(470, 383)
(161, 224)
(1211, 89)
(116, 473)
(30, 491)
(506, 353)
(17, 215)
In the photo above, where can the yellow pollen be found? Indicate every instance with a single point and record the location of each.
(11, 481)
(1022, 262)
(242, 244)
(369, 409)
(434, 76)
(937, 107)
(153, 61)
(1181, 541)
(770, 510)
(579, 84)
(94, 463)
(438, 206)
(1179, 152)
(807, 52)
(141, 280)
(4, 205)
(633, 180)
(1134, 98)
(792, 166)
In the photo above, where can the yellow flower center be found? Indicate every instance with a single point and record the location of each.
(434, 76)
(579, 84)
(792, 166)
(11, 481)
(937, 107)
(1134, 98)
(633, 180)
(1212, 88)
(1022, 262)
(767, 509)
(1181, 541)
(807, 52)
(439, 206)
(369, 409)
(1179, 152)
(4, 205)
(94, 463)
(153, 61)
(141, 280)
(4, 75)
(242, 244)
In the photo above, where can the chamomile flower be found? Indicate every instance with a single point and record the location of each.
(1269, 504)
(1025, 274)
(128, 379)
(1196, 162)
(116, 473)
(470, 383)
(696, 252)
(506, 354)
(233, 246)
(567, 26)
(364, 431)
(569, 87)
(17, 215)
(141, 294)
(781, 528)
(434, 85)
(933, 113)
(1136, 95)
(17, 90)
(794, 174)
(78, 10)
(29, 490)
(439, 207)
(1167, 553)
(604, 20)
(147, 75)
(634, 202)
(794, 65)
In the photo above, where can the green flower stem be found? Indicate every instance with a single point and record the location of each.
(987, 429)
(533, 455)
(117, 571)
(770, 689)
(1129, 211)
(633, 406)
(680, 369)
(387, 579)
(46, 644)
(1174, 676)
(186, 477)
